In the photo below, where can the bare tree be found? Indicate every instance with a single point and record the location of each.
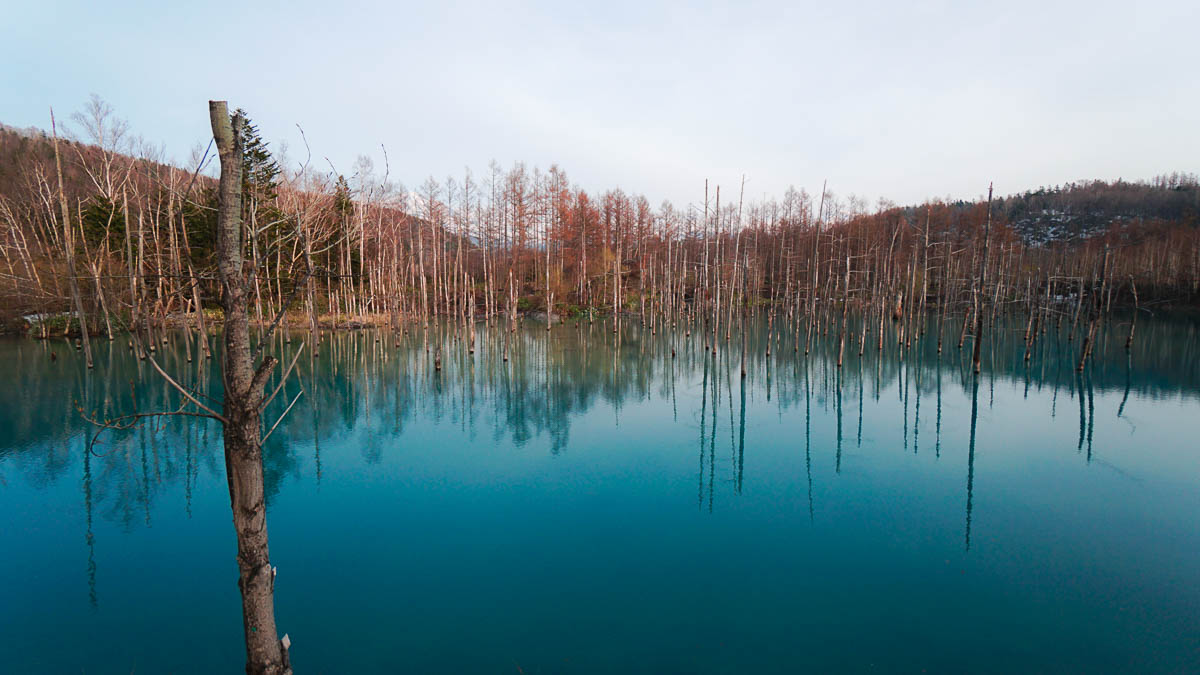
(266, 654)
(69, 249)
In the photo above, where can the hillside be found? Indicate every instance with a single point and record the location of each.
(531, 239)
(1090, 208)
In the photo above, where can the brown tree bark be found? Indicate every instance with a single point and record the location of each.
(266, 654)
(979, 288)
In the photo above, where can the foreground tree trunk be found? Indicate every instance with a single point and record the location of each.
(265, 653)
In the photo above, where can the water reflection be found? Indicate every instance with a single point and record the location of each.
(366, 389)
(971, 457)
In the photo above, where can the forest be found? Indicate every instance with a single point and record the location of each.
(97, 224)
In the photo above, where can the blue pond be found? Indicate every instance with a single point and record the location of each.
(594, 504)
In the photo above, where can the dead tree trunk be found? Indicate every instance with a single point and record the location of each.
(979, 287)
(1132, 321)
(69, 246)
(265, 652)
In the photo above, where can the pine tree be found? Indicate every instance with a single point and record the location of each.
(260, 179)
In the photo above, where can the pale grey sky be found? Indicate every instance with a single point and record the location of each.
(897, 100)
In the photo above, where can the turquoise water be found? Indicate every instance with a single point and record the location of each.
(594, 505)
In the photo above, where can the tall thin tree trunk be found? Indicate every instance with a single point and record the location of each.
(979, 290)
(69, 245)
(266, 654)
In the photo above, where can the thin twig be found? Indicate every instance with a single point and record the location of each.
(283, 380)
(285, 412)
(184, 391)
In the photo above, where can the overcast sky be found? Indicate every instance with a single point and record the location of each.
(899, 100)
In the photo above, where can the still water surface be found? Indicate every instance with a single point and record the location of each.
(594, 505)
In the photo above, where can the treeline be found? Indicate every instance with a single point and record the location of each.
(138, 234)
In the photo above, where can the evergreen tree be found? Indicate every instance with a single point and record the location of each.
(342, 202)
(101, 216)
(261, 171)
